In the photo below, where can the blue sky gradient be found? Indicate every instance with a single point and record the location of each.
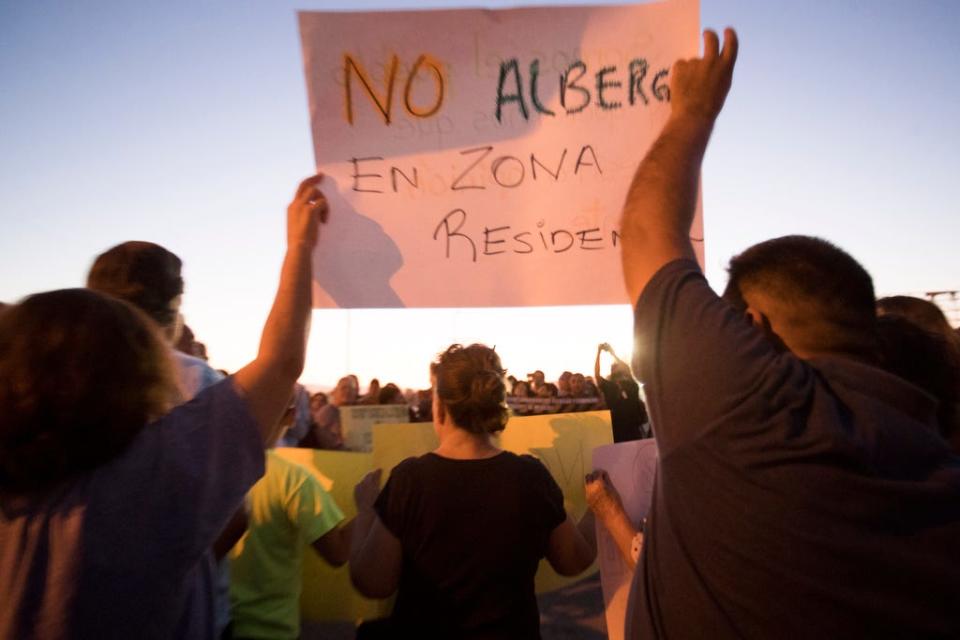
(187, 124)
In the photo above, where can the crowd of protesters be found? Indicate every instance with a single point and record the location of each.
(808, 482)
(571, 392)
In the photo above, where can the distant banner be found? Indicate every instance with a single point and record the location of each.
(481, 158)
(526, 406)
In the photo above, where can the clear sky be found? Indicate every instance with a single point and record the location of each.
(186, 123)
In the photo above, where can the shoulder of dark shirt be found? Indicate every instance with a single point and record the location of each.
(413, 466)
(675, 268)
(531, 464)
(410, 465)
(875, 382)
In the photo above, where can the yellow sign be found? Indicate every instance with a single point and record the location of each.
(563, 442)
(327, 592)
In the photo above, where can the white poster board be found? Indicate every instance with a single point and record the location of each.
(632, 469)
(481, 158)
(357, 422)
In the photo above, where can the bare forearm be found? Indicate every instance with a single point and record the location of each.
(661, 202)
(360, 565)
(605, 503)
(359, 532)
(268, 380)
(284, 340)
(334, 546)
(375, 557)
(662, 198)
(623, 533)
(568, 552)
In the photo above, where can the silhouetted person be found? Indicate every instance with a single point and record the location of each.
(109, 494)
(802, 490)
(929, 361)
(621, 393)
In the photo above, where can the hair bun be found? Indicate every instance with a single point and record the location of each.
(487, 388)
(469, 382)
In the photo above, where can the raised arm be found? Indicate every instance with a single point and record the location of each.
(596, 364)
(604, 502)
(616, 358)
(268, 381)
(662, 199)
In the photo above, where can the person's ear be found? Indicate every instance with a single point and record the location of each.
(441, 412)
(757, 319)
(762, 322)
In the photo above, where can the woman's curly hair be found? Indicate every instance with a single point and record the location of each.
(81, 373)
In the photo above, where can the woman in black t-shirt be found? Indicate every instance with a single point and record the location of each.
(460, 531)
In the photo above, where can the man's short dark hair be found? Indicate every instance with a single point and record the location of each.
(142, 273)
(825, 293)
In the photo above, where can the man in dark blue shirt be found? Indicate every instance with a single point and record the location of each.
(802, 490)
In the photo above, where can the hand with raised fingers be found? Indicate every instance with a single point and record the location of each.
(367, 490)
(602, 497)
(699, 86)
(306, 211)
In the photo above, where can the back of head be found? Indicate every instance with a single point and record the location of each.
(187, 341)
(346, 391)
(520, 389)
(470, 384)
(920, 312)
(923, 357)
(390, 394)
(928, 360)
(620, 371)
(81, 373)
(548, 390)
(144, 274)
(819, 293)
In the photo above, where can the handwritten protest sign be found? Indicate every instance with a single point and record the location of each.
(563, 442)
(357, 421)
(481, 158)
(632, 468)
